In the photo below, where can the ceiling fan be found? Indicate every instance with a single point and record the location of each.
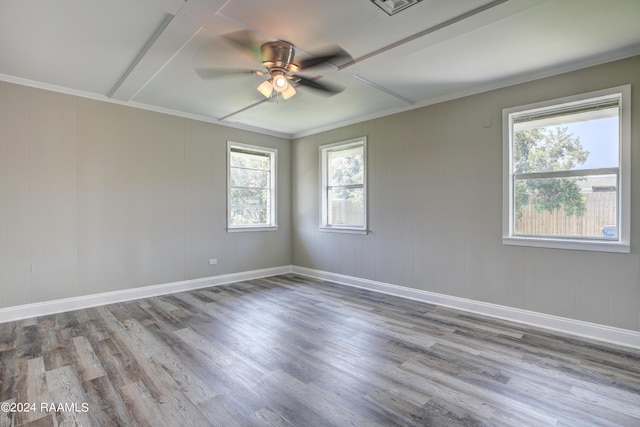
(281, 67)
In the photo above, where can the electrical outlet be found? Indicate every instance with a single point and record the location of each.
(213, 261)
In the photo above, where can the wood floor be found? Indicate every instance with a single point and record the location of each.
(291, 351)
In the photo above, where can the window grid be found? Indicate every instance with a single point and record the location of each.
(548, 173)
(343, 181)
(251, 187)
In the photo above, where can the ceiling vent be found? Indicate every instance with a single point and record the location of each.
(392, 7)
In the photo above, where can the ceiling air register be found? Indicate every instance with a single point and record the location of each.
(391, 7)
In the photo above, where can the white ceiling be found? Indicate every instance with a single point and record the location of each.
(145, 52)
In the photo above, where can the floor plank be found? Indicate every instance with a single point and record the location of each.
(293, 351)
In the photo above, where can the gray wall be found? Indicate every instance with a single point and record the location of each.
(435, 209)
(97, 197)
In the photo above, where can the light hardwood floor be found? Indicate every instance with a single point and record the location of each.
(292, 351)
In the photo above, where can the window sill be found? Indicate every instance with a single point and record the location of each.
(344, 230)
(580, 245)
(258, 228)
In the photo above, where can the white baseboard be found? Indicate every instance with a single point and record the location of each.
(596, 331)
(86, 301)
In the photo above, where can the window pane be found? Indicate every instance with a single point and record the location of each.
(585, 140)
(249, 160)
(251, 186)
(249, 216)
(346, 167)
(587, 207)
(249, 197)
(249, 206)
(567, 175)
(346, 207)
(249, 178)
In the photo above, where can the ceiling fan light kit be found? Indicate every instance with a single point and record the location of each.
(278, 82)
(266, 88)
(288, 92)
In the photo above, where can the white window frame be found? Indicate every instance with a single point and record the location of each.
(272, 153)
(324, 187)
(622, 243)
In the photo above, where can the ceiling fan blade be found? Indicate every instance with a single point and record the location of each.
(327, 89)
(335, 56)
(216, 73)
(246, 41)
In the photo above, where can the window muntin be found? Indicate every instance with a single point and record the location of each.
(251, 198)
(567, 185)
(343, 167)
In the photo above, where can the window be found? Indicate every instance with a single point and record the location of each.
(251, 178)
(566, 172)
(344, 186)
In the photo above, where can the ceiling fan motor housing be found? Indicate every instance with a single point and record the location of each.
(278, 55)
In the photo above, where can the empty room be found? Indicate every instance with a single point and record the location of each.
(319, 213)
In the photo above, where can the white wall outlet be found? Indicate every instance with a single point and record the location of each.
(213, 261)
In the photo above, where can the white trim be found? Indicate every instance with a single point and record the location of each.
(273, 182)
(134, 104)
(580, 328)
(608, 57)
(345, 230)
(591, 245)
(244, 229)
(58, 306)
(599, 332)
(324, 203)
(621, 94)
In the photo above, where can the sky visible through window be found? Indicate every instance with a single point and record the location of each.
(600, 138)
